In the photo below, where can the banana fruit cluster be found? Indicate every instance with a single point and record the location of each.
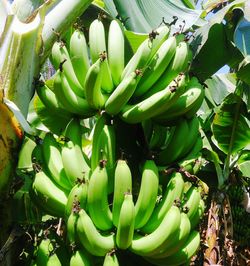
(92, 77)
(110, 204)
(104, 211)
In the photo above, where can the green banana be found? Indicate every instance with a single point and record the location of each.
(45, 254)
(156, 66)
(195, 107)
(79, 55)
(104, 147)
(71, 223)
(194, 94)
(181, 256)
(97, 202)
(195, 219)
(122, 93)
(158, 137)
(78, 195)
(155, 104)
(97, 47)
(51, 152)
(176, 147)
(172, 193)
(68, 99)
(178, 64)
(146, 50)
(98, 128)
(148, 193)
(95, 243)
(151, 244)
(93, 82)
(80, 258)
(194, 153)
(191, 201)
(51, 250)
(116, 50)
(60, 96)
(126, 222)
(60, 58)
(48, 196)
(78, 103)
(122, 185)
(179, 238)
(107, 82)
(49, 99)
(193, 134)
(111, 259)
(97, 42)
(72, 148)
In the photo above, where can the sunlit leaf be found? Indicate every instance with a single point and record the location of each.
(145, 15)
(212, 46)
(244, 69)
(211, 50)
(220, 85)
(230, 128)
(243, 163)
(246, 96)
(242, 36)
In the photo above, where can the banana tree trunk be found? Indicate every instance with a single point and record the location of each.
(27, 32)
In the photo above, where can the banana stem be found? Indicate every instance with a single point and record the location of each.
(19, 60)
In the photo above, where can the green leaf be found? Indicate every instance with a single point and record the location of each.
(242, 36)
(212, 45)
(246, 96)
(144, 15)
(208, 59)
(230, 128)
(220, 85)
(242, 31)
(244, 70)
(244, 163)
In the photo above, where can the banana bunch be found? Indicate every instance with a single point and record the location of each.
(60, 164)
(107, 202)
(94, 76)
(152, 224)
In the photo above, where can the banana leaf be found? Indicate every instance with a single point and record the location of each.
(213, 45)
(242, 36)
(144, 15)
(219, 86)
(244, 163)
(230, 127)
